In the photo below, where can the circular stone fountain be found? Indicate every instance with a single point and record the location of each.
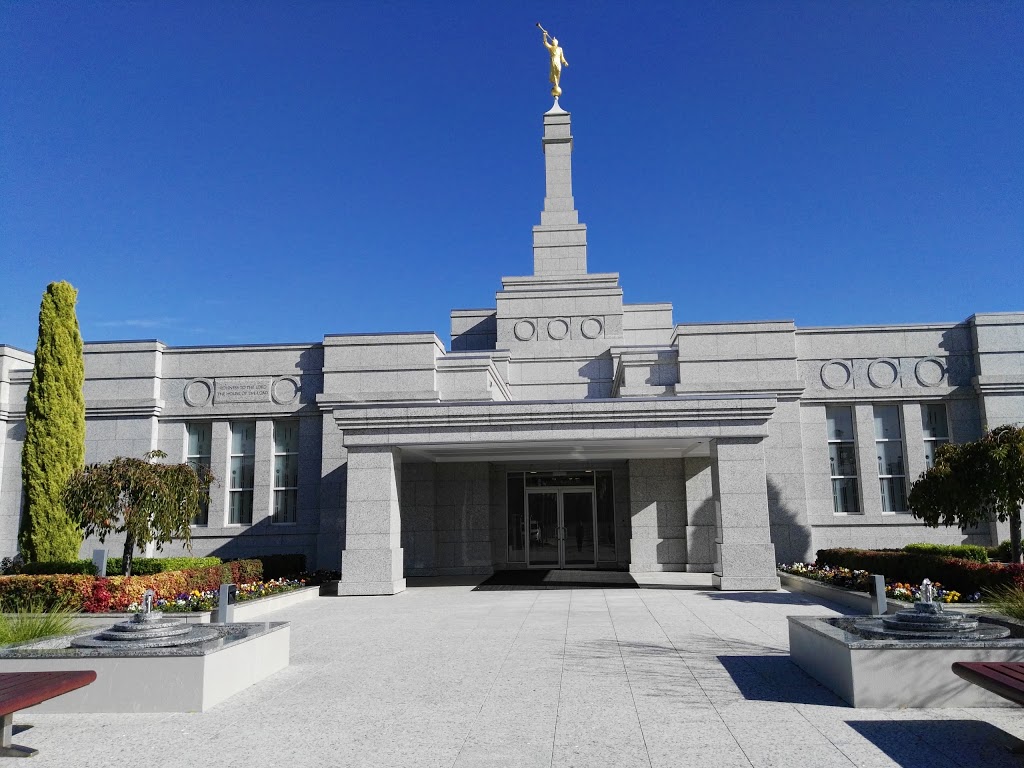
(928, 621)
(148, 629)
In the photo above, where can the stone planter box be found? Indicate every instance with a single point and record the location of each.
(858, 601)
(891, 674)
(187, 679)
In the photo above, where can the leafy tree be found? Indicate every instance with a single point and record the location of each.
(54, 430)
(144, 500)
(972, 482)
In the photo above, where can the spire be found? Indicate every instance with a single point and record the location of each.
(560, 241)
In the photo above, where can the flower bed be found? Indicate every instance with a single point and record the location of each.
(965, 576)
(859, 581)
(206, 600)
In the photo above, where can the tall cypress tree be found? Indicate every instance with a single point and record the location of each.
(54, 430)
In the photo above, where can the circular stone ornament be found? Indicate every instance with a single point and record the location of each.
(836, 374)
(591, 328)
(883, 373)
(558, 329)
(929, 372)
(525, 330)
(198, 392)
(285, 389)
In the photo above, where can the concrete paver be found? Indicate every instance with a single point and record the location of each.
(445, 676)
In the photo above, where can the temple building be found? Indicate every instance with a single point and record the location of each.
(565, 428)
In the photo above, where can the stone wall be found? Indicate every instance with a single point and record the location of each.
(657, 497)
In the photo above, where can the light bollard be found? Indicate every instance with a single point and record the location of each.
(878, 604)
(225, 613)
(99, 559)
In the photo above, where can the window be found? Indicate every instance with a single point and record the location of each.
(936, 430)
(286, 471)
(198, 455)
(842, 454)
(243, 472)
(892, 477)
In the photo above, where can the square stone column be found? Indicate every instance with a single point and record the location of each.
(745, 555)
(867, 459)
(371, 563)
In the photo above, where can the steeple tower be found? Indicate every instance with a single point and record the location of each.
(559, 241)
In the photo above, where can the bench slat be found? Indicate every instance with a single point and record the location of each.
(20, 690)
(1004, 679)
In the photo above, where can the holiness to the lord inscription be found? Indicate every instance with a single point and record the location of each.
(242, 391)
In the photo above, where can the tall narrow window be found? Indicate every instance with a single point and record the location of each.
(842, 454)
(198, 455)
(243, 472)
(286, 471)
(892, 476)
(936, 430)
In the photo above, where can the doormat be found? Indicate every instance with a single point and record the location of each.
(556, 579)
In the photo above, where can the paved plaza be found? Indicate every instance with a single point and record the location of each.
(447, 676)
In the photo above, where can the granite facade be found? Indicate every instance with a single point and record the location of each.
(711, 440)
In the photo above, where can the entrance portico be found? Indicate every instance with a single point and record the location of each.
(560, 519)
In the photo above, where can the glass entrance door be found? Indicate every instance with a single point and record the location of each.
(560, 528)
(578, 529)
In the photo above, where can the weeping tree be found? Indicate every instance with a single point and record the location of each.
(145, 500)
(971, 483)
(54, 446)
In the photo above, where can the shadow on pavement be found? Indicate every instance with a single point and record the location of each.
(556, 579)
(773, 598)
(930, 743)
(776, 678)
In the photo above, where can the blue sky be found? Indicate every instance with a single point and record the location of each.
(232, 172)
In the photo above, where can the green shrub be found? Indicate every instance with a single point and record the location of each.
(145, 566)
(34, 621)
(85, 567)
(1003, 553)
(965, 576)
(974, 552)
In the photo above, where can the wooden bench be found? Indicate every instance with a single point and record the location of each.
(1004, 679)
(20, 690)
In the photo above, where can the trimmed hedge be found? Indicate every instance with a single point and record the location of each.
(143, 566)
(965, 576)
(77, 567)
(963, 551)
(93, 594)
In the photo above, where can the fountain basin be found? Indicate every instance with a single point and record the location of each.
(188, 678)
(894, 672)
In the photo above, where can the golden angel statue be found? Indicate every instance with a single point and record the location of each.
(557, 61)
